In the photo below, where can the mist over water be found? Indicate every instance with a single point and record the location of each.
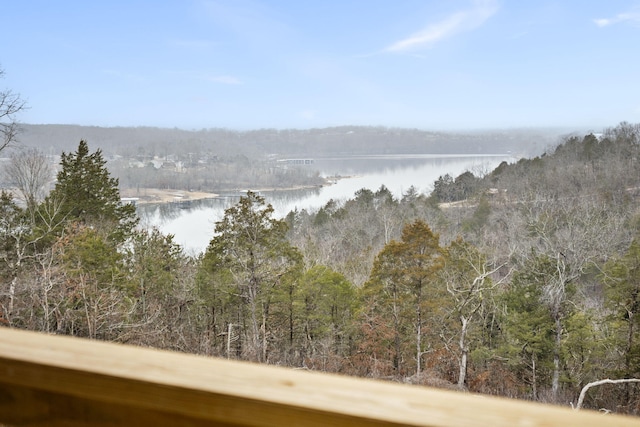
(193, 225)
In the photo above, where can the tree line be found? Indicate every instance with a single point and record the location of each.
(523, 282)
(144, 142)
(213, 160)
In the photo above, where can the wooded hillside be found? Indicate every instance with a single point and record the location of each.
(522, 283)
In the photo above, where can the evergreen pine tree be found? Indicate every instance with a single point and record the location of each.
(402, 293)
(251, 257)
(87, 193)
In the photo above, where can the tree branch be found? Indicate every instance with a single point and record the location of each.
(600, 382)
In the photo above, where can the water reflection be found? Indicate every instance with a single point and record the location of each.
(193, 222)
(358, 165)
(161, 214)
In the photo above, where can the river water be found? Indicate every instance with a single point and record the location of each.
(193, 224)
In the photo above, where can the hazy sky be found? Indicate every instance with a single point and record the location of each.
(246, 64)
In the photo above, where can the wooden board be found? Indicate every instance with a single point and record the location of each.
(63, 381)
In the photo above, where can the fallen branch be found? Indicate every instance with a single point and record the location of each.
(600, 382)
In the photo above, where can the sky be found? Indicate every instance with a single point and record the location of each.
(251, 64)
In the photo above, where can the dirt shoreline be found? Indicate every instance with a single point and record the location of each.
(157, 195)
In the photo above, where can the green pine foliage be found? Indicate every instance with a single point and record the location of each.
(85, 192)
(622, 279)
(327, 305)
(251, 258)
(402, 292)
(529, 327)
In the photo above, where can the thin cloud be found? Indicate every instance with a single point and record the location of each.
(227, 80)
(633, 16)
(462, 21)
(192, 44)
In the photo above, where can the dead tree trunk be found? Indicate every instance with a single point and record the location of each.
(583, 393)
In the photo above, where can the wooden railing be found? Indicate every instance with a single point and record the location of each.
(62, 381)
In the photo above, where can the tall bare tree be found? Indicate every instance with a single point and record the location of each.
(467, 274)
(10, 105)
(30, 172)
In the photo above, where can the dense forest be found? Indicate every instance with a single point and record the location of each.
(145, 141)
(524, 282)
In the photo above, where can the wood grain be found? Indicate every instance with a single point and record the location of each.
(63, 381)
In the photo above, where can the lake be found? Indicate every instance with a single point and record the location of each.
(193, 224)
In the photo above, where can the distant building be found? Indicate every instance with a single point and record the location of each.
(296, 161)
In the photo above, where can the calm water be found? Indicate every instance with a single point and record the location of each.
(193, 225)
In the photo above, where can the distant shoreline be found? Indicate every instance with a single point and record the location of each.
(157, 195)
(147, 196)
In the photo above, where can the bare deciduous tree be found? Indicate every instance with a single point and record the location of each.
(10, 105)
(467, 275)
(30, 171)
